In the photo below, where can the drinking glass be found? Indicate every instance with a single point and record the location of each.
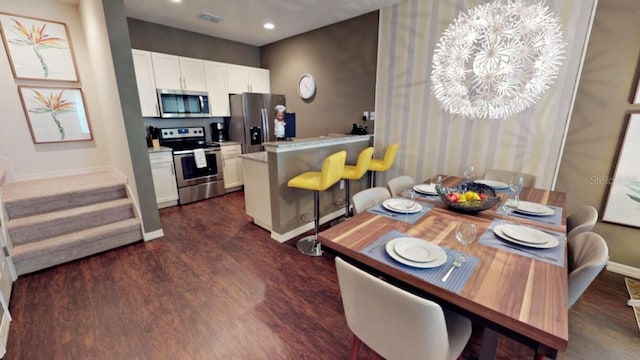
(468, 172)
(465, 234)
(509, 204)
(515, 185)
(410, 199)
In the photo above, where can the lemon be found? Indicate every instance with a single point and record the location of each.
(471, 195)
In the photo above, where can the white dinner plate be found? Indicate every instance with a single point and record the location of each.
(494, 184)
(415, 250)
(531, 208)
(441, 256)
(550, 243)
(399, 205)
(428, 189)
(524, 234)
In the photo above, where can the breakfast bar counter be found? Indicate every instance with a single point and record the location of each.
(267, 173)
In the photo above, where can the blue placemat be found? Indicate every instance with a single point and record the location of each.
(555, 219)
(457, 279)
(378, 209)
(488, 238)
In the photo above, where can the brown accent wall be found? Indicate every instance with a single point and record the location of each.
(599, 118)
(342, 58)
(164, 39)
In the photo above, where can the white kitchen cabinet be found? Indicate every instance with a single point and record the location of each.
(164, 178)
(259, 80)
(257, 196)
(232, 166)
(146, 82)
(247, 79)
(178, 73)
(216, 81)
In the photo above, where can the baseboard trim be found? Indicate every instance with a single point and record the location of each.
(304, 228)
(153, 235)
(622, 269)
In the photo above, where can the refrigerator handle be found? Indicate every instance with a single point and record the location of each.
(265, 122)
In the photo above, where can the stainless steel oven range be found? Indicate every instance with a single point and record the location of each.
(198, 164)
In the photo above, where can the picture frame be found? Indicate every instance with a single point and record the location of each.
(38, 49)
(623, 200)
(55, 114)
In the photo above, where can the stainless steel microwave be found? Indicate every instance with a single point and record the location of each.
(183, 104)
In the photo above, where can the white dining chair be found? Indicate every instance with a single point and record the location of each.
(395, 323)
(505, 175)
(364, 199)
(588, 254)
(399, 184)
(582, 220)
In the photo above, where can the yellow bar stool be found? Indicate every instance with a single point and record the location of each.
(331, 172)
(355, 172)
(381, 165)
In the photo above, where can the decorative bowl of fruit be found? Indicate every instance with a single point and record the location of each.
(468, 197)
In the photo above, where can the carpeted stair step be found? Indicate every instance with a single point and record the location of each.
(37, 227)
(60, 249)
(26, 198)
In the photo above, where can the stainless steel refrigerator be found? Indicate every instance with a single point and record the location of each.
(251, 121)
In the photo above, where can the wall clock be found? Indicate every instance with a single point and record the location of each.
(306, 87)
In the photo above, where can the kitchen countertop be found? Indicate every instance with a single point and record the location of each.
(226, 143)
(257, 156)
(161, 149)
(287, 145)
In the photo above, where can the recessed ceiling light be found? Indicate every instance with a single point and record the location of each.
(269, 26)
(176, 1)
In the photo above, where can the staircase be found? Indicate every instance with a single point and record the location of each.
(56, 220)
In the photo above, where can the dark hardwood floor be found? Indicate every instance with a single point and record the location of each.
(217, 287)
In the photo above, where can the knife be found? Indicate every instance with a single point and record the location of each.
(531, 252)
(534, 218)
(382, 212)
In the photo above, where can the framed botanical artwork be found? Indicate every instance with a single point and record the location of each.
(55, 114)
(38, 49)
(623, 202)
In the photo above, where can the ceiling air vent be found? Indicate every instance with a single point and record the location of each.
(209, 17)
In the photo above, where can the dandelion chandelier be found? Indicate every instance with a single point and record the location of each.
(498, 59)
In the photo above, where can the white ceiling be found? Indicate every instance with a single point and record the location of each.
(244, 19)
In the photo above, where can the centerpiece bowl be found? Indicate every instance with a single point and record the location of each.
(473, 204)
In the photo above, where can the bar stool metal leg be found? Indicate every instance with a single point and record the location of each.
(347, 199)
(309, 245)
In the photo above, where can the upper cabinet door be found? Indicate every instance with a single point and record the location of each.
(166, 69)
(192, 71)
(238, 79)
(259, 80)
(216, 81)
(145, 82)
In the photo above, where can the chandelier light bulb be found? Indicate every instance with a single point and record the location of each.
(497, 59)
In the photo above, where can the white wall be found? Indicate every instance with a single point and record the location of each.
(108, 147)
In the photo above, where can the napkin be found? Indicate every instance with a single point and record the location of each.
(201, 159)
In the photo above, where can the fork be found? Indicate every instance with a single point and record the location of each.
(456, 264)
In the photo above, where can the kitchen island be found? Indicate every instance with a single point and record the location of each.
(276, 207)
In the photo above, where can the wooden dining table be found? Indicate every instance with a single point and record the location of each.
(507, 293)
